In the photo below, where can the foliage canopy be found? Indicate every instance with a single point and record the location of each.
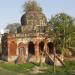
(12, 27)
(63, 29)
(31, 6)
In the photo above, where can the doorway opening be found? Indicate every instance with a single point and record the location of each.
(50, 47)
(31, 48)
(41, 46)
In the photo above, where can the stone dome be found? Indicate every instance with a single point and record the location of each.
(33, 17)
(23, 19)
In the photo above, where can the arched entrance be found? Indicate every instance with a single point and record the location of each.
(31, 48)
(41, 46)
(50, 47)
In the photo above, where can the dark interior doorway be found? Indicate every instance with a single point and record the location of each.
(41, 46)
(31, 48)
(50, 47)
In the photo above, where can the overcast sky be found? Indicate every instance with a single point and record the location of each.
(11, 10)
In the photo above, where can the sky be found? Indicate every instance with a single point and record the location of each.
(12, 10)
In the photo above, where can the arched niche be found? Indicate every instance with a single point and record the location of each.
(22, 49)
(12, 48)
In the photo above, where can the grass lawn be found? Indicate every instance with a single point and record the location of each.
(26, 69)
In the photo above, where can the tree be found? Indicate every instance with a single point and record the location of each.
(31, 6)
(62, 27)
(12, 27)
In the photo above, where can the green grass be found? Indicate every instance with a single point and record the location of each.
(25, 69)
(17, 68)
